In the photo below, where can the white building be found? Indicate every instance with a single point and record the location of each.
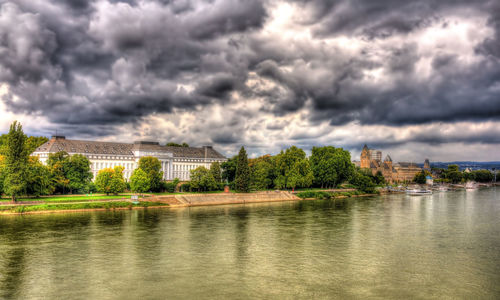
(176, 162)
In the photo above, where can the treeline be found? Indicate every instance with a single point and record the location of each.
(20, 174)
(453, 175)
(327, 167)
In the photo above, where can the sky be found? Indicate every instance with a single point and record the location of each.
(415, 79)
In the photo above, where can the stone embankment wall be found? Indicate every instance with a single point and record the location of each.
(232, 198)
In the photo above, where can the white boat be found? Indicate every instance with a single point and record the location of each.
(442, 188)
(470, 185)
(418, 192)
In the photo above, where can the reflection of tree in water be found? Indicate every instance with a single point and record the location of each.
(241, 214)
(113, 217)
(148, 219)
(11, 273)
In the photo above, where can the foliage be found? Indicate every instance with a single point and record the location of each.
(482, 175)
(293, 169)
(262, 172)
(229, 169)
(110, 180)
(419, 178)
(16, 161)
(363, 182)
(242, 177)
(88, 205)
(152, 167)
(331, 166)
(31, 143)
(203, 180)
(139, 181)
(215, 171)
(56, 162)
(38, 178)
(186, 187)
(77, 172)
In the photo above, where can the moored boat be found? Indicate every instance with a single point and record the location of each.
(418, 192)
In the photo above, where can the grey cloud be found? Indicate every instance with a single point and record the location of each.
(105, 63)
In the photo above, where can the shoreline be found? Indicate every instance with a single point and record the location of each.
(193, 200)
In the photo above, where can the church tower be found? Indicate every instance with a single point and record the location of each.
(365, 158)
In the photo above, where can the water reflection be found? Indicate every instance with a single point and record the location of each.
(443, 246)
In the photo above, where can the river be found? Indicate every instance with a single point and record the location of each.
(444, 246)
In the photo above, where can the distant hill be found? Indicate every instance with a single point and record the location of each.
(473, 165)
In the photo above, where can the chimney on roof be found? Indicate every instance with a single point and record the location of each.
(206, 150)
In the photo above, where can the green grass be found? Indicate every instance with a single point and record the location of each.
(89, 205)
(79, 198)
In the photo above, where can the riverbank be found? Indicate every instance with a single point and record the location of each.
(175, 201)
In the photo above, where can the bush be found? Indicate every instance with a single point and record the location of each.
(169, 187)
(186, 187)
(316, 195)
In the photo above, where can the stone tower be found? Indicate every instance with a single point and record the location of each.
(427, 165)
(365, 158)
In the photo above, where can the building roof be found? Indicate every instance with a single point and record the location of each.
(56, 144)
(407, 165)
(388, 158)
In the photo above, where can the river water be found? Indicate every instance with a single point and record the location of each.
(444, 246)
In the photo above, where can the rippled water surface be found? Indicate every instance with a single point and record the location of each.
(444, 246)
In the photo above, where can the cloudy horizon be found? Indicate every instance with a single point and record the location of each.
(417, 79)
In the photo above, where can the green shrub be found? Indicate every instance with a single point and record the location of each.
(186, 187)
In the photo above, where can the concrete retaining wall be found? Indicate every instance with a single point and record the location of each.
(232, 198)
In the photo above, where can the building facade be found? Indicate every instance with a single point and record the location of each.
(392, 172)
(176, 162)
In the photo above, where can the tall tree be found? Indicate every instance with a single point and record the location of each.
(242, 177)
(77, 172)
(16, 160)
(110, 180)
(152, 167)
(139, 181)
(293, 169)
(38, 178)
(229, 169)
(202, 179)
(262, 172)
(331, 166)
(215, 171)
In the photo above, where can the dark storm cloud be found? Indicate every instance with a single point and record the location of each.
(98, 62)
(112, 62)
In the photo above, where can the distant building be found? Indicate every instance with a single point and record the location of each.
(392, 172)
(176, 162)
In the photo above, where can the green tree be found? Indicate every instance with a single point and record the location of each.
(215, 171)
(262, 173)
(482, 176)
(453, 174)
(229, 169)
(202, 179)
(16, 161)
(419, 178)
(152, 167)
(110, 180)
(242, 177)
(363, 182)
(56, 164)
(293, 169)
(77, 171)
(38, 178)
(34, 142)
(2, 173)
(139, 181)
(331, 166)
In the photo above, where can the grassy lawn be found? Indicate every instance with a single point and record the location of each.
(72, 198)
(89, 205)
